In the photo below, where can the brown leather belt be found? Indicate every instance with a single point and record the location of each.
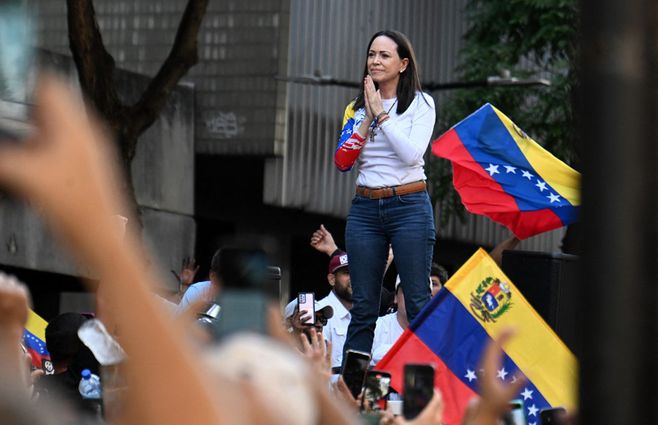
(386, 192)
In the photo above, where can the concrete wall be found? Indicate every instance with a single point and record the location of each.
(163, 171)
(242, 46)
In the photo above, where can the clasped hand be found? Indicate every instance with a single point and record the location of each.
(372, 99)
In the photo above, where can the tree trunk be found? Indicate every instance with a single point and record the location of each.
(126, 146)
(96, 74)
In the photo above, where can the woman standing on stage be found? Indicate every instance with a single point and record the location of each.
(386, 131)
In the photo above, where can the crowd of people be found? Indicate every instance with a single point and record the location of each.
(181, 363)
(172, 374)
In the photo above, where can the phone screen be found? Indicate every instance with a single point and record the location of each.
(306, 302)
(515, 416)
(16, 56)
(418, 389)
(354, 370)
(376, 389)
(551, 416)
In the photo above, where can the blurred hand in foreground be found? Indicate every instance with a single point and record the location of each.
(494, 394)
(68, 171)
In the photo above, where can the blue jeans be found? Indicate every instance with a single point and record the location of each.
(407, 223)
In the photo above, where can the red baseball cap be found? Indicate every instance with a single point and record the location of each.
(338, 261)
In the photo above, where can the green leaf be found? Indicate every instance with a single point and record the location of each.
(533, 39)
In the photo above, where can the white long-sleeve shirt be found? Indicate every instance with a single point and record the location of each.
(395, 156)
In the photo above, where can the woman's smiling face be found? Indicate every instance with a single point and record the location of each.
(384, 62)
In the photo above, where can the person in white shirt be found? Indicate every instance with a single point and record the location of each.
(205, 291)
(389, 327)
(340, 299)
(386, 131)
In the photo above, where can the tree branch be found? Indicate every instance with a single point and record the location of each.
(182, 57)
(95, 65)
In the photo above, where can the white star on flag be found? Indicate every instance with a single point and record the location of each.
(527, 175)
(510, 169)
(514, 379)
(502, 373)
(532, 410)
(532, 423)
(553, 197)
(541, 185)
(492, 169)
(527, 393)
(470, 375)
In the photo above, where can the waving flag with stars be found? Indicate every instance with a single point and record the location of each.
(34, 340)
(502, 173)
(466, 315)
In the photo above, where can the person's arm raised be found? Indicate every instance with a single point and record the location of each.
(323, 241)
(67, 172)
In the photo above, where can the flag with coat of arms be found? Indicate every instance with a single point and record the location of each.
(453, 329)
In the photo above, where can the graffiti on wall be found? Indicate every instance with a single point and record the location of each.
(224, 125)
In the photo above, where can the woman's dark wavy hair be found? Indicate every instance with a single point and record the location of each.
(409, 82)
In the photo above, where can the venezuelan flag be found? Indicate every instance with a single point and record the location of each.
(500, 172)
(34, 339)
(453, 329)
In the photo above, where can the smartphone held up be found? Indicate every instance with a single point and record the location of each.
(354, 370)
(306, 303)
(376, 389)
(418, 388)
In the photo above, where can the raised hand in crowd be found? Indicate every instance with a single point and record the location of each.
(323, 241)
(296, 323)
(508, 244)
(343, 393)
(494, 394)
(188, 272)
(318, 353)
(67, 170)
(331, 410)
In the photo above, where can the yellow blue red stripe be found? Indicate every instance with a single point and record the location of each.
(34, 339)
(502, 173)
(558, 175)
(544, 359)
(467, 314)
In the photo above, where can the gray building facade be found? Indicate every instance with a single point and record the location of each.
(264, 146)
